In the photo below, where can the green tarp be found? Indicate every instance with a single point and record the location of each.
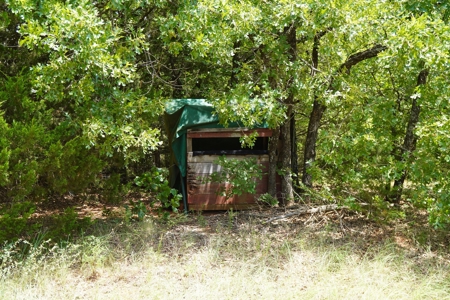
(184, 114)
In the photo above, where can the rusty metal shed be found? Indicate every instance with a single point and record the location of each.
(196, 140)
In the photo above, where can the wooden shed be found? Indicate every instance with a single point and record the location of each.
(197, 140)
(204, 146)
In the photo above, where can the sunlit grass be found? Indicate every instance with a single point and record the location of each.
(197, 259)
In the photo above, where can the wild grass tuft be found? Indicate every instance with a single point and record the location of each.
(220, 256)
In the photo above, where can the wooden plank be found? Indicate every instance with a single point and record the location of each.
(189, 145)
(197, 179)
(203, 168)
(206, 196)
(218, 129)
(211, 158)
(202, 207)
(233, 129)
(208, 202)
(227, 133)
(209, 168)
(214, 188)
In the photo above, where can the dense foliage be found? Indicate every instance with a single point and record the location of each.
(358, 89)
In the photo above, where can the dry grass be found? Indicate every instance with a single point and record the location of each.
(236, 256)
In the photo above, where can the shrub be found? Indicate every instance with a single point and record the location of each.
(14, 221)
(157, 184)
(241, 174)
(66, 224)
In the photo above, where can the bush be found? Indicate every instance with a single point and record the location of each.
(241, 174)
(14, 221)
(157, 184)
(67, 224)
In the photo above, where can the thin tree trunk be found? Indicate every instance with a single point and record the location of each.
(409, 142)
(273, 160)
(319, 108)
(287, 189)
(177, 85)
(311, 141)
(309, 155)
(157, 158)
(235, 65)
(294, 152)
(286, 165)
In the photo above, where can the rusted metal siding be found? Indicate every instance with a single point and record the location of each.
(204, 195)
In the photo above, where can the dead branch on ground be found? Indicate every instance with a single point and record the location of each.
(303, 211)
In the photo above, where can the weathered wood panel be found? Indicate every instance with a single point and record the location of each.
(214, 206)
(209, 167)
(215, 201)
(225, 133)
(211, 158)
(206, 195)
(204, 168)
(199, 185)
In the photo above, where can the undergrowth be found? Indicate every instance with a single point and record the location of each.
(228, 256)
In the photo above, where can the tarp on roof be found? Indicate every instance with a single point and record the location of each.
(183, 114)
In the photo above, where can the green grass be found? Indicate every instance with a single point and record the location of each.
(222, 257)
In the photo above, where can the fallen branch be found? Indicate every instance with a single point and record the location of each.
(319, 209)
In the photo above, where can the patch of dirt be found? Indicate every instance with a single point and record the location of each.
(87, 206)
(413, 234)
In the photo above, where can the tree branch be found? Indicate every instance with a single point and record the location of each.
(315, 50)
(302, 211)
(360, 56)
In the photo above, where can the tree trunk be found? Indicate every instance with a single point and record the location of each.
(319, 108)
(294, 153)
(287, 189)
(286, 165)
(309, 154)
(157, 158)
(409, 142)
(311, 141)
(177, 85)
(235, 65)
(273, 160)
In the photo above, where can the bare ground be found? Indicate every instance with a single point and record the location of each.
(244, 255)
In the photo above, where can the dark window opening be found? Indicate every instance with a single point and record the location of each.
(222, 146)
